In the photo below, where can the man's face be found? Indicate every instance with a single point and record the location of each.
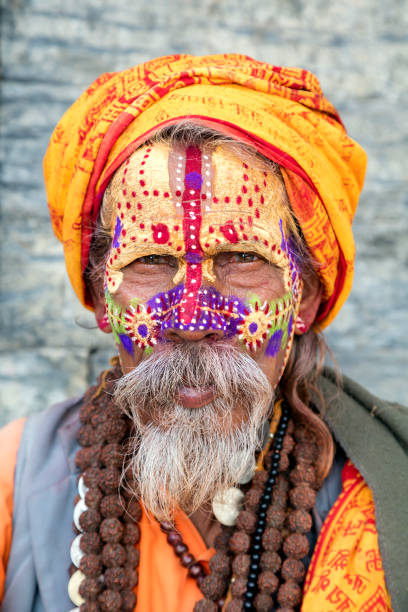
(199, 253)
(201, 292)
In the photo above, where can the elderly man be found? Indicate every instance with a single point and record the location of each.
(205, 208)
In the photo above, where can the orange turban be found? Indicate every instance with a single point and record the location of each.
(280, 111)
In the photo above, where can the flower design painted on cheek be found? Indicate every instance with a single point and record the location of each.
(271, 321)
(134, 325)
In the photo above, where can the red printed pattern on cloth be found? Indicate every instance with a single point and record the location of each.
(346, 572)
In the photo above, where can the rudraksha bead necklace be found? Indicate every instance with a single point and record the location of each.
(257, 565)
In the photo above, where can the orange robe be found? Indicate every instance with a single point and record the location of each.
(345, 573)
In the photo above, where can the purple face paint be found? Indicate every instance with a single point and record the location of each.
(290, 325)
(274, 344)
(126, 343)
(212, 311)
(253, 327)
(116, 235)
(142, 330)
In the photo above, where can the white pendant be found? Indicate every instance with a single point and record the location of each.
(82, 488)
(78, 510)
(227, 505)
(76, 552)
(245, 471)
(248, 475)
(73, 588)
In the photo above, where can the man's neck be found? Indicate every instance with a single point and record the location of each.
(206, 524)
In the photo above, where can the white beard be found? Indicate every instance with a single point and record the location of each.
(183, 457)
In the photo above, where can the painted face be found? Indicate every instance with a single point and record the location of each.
(199, 244)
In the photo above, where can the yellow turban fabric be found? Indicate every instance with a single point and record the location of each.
(282, 112)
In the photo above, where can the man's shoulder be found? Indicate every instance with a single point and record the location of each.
(349, 403)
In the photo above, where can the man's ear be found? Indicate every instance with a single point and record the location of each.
(309, 305)
(99, 303)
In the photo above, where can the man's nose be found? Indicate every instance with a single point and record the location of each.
(186, 335)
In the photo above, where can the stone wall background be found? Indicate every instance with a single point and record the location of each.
(53, 49)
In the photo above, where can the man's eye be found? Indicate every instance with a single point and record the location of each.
(245, 257)
(234, 257)
(157, 260)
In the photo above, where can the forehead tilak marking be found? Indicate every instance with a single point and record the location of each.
(189, 182)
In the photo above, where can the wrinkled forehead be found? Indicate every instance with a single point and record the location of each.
(164, 193)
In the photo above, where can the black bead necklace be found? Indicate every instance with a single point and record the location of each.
(256, 541)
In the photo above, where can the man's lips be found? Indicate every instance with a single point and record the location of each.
(195, 398)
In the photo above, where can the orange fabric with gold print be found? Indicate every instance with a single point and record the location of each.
(280, 111)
